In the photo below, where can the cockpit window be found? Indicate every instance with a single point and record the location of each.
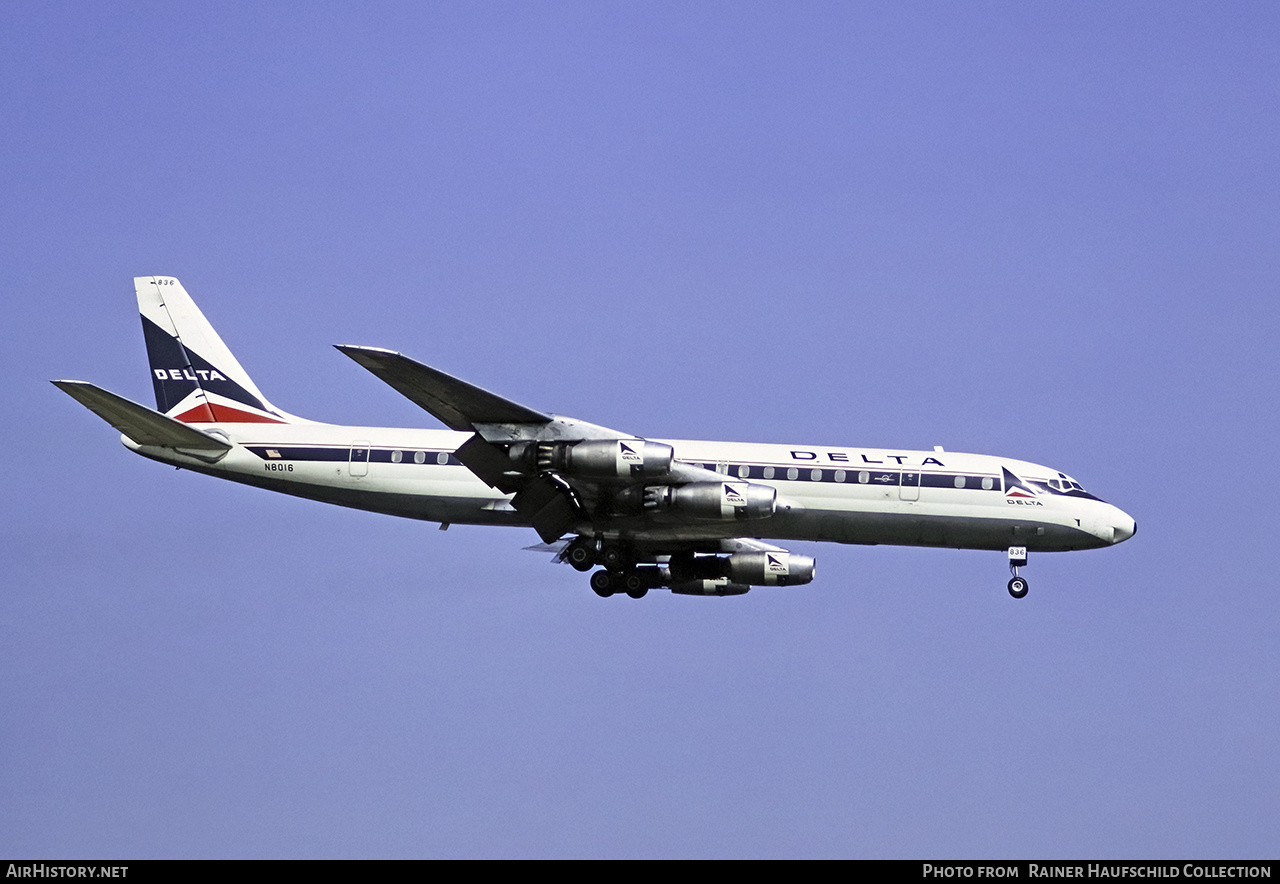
(1065, 483)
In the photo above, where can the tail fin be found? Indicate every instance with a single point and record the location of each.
(196, 378)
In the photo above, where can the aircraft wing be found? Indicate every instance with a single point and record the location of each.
(141, 424)
(558, 469)
(459, 405)
(551, 503)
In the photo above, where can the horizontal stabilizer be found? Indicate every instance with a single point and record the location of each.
(139, 423)
(458, 404)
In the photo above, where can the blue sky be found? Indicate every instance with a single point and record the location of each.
(1046, 232)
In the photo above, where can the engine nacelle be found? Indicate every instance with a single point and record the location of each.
(766, 568)
(709, 587)
(756, 568)
(713, 500)
(596, 458)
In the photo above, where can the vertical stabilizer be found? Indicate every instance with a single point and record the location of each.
(196, 378)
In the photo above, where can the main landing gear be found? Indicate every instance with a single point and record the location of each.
(587, 552)
(632, 582)
(1018, 586)
(621, 573)
(581, 554)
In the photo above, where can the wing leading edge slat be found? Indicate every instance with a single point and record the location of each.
(459, 405)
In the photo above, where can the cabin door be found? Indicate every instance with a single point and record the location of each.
(359, 462)
(910, 487)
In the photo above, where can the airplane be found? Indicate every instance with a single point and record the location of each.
(694, 517)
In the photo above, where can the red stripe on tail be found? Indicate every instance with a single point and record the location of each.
(209, 413)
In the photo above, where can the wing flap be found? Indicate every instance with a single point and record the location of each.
(550, 506)
(139, 423)
(489, 463)
(459, 405)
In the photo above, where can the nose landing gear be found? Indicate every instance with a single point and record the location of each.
(1018, 586)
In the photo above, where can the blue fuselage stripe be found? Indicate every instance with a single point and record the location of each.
(729, 471)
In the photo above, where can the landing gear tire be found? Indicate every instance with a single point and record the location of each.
(634, 585)
(613, 558)
(602, 583)
(1018, 587)
(581, 555)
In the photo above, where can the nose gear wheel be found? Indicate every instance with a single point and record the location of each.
(1018, 586)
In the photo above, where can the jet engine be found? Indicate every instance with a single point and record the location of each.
(713, 500)
(756, 568)
(595, 458)
(766, 568)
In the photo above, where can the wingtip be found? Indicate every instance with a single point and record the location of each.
(352, 349)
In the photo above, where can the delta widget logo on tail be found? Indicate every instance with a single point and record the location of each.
(191, 389)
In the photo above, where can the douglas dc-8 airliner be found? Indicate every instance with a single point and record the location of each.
(689, 516)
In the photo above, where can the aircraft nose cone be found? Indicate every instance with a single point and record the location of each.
(1123, 527)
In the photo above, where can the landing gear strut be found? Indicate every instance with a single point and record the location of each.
(1018, 586)
(614, 557)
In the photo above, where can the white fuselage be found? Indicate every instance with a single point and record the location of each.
(847, 495)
